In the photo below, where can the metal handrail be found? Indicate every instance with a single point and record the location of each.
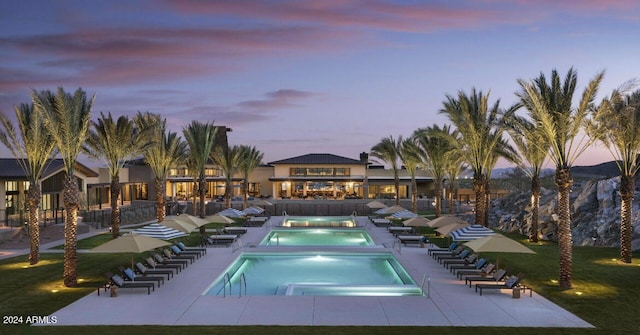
(243, 280)
(226, 279)
(428, 279)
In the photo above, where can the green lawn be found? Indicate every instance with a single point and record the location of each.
(606, 293)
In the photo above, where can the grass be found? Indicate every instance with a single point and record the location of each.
(606, 293)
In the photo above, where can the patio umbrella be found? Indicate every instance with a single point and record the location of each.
(376, 205)
(157, 230)
(132, 243)
(179, 225)
(446, 230)
(419, 221)
(444, 221)
(232, 212)
(405, 214)
(472, 232)
(390, 210)
(253, 210)
(497, 243)
(192, 220)
(217, 218)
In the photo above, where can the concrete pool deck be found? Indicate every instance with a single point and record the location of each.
(450, 303)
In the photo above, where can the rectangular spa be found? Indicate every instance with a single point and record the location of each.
(298, 237)
(315, 273)
(319, 221)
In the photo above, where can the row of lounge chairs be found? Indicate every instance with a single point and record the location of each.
(224, 236)
(466, 265)
(158, 268)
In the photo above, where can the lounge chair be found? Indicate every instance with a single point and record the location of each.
(130, 275)
(234, 230)
(455, 256)
(179, 252)
(167, 254)
(410, 239)
(162, 260)
(221, 239)
(469, 258)
(452, 246)
(156, 265)
(496, 277)
(145, 271)
(512, 282)
(484, 271)
(185, 248)
(400, 230)
(476, 265)
(256, 221)
(380, 222)
(456, 251)
(121, 283)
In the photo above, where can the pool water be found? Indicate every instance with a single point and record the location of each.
(315, 273)
(319, 221)
(318, 237)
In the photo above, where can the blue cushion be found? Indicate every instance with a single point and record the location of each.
(175, 250)
(182, 246)
(117, 280)
(130, 273)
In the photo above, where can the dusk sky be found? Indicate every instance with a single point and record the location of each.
(297, 77)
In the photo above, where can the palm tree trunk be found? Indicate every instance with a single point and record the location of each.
(396, 184)
(115, 209)
(626, 195)
(245, 187)
(71, 199)
(451, 197)
(487, 200)
(202, 189)
(194, 196)
(227, 193)
(437, 196)
(478, 189)
(414, 195)
(564, 182)
(161, 211)
(535, 207)
(33, 200)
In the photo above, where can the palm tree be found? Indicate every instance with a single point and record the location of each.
(616, 124)
(166, 151)
(454, 166)
(201, 139)
(435, 145)
(115, 142)
(32, 148)
(67, 117)
(228, 159)
(388, 150)
(533, 149)
(478, 125)
(411, 155)
(250, 159)
(550, 109)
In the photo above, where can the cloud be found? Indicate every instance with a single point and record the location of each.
(283, 98)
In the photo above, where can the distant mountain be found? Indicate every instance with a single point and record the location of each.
(602, 170)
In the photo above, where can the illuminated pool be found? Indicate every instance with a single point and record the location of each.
(315, 273)
(318, 237)
(319, 221)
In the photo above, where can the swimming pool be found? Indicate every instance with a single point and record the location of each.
(319, 221)
(315, 273)
(288, 237)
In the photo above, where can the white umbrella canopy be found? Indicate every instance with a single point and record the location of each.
(472, 232)
(232, 212)
(217, 218)
(405, 214)
(157, 230)
(419, 221)
(190, 219)
(444, 221)
(390, 210)
(448, 229)
(253, 210)
(182, 226)
(376, 205)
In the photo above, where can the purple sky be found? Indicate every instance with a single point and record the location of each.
(297, 77)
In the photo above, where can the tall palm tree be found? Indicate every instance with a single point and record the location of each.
(32, 148)
(201, 138)
(250, 159)
(532, 147)
(227, 159)
(435, 145)
(67, 117)
(616, 124)
(478, 125)
(115, 142)
(388, 150)
(454, 166)
(166, 151)
(550, 107)
(411, 155)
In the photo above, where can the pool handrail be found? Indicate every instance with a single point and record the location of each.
(226, 279)
(243, 280)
